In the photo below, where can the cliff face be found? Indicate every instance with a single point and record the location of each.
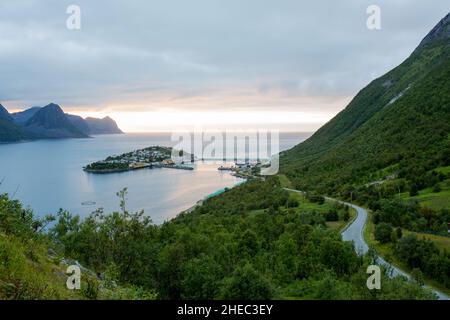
(103, 126)
(4, 114)
(9, 131)
(79, 123)
(22, 117)
(51, 122)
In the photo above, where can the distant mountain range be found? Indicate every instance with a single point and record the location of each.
(50, 122)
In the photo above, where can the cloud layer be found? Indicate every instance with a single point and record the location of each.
(130, 56)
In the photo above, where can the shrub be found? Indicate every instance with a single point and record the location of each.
(383, 232)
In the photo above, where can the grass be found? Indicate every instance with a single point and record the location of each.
(29, 272)
(387, 252)
(341, 225)
(305, 206)
(285, 182)
(26, 272)
(385, 171)
(443, 243)
(443, 170)
(434, 200)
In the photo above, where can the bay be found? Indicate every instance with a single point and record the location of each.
(46, 175)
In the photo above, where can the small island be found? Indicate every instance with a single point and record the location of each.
(151, 157)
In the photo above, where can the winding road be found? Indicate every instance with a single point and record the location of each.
(354, 232)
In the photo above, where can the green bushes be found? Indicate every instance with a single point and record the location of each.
(30, 261)
(383, 232)
(315, 198)
(246, 283)
(423, 255)
(244, 244)
(27, 273)
(213, 252)
(410, 215)
(332, 215)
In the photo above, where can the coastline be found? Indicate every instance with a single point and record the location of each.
(209, 196)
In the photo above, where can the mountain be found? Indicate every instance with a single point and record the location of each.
(4, 114)
(79, 123)
(51, 122)
(9, 131)
(102, 126)
(94, 125)
(399, 124)
(23, 116)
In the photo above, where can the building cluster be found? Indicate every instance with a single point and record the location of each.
(148, 155)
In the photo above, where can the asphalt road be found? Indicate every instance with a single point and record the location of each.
(354, 232)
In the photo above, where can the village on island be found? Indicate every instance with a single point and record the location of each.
(166, 157)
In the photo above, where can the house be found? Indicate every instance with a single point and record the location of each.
(169, 162)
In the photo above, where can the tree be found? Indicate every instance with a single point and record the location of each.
(201, 280)
(346, 215)
(417, 276)
(292, 203)
(383, 232)
(332, 215)
(414, 191)
(248, 243)
(246, 284)
(437, 188)
(399, 233)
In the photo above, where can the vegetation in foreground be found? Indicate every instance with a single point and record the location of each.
(252, 242)
(31, 268)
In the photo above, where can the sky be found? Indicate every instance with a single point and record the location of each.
(165, 65)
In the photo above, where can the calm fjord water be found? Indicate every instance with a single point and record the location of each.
(47, 175)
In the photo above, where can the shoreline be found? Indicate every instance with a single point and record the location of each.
(209, 196)
(149, 166)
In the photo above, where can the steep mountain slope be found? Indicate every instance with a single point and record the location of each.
(401, 118)
(51, 122)
(23, 116)
(94, 125)
(9, 131)
(102, 126)
(4, 114)
(79, 123)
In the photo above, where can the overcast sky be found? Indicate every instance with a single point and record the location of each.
(288, 61)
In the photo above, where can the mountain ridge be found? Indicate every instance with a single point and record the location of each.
(50, 122)
(390, 121)
(4, 114)
(9, 131)
(105, 125)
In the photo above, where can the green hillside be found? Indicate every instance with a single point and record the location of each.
(389, 150)
(401, 119)
(32, 266)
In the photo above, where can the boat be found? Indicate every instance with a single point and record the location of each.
(88, 203)
(222, 168)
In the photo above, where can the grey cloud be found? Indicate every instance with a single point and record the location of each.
(176, 49)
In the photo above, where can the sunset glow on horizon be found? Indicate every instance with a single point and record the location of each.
(158, 121)
(299, 114)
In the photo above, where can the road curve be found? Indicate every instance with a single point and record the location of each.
(354, 232)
